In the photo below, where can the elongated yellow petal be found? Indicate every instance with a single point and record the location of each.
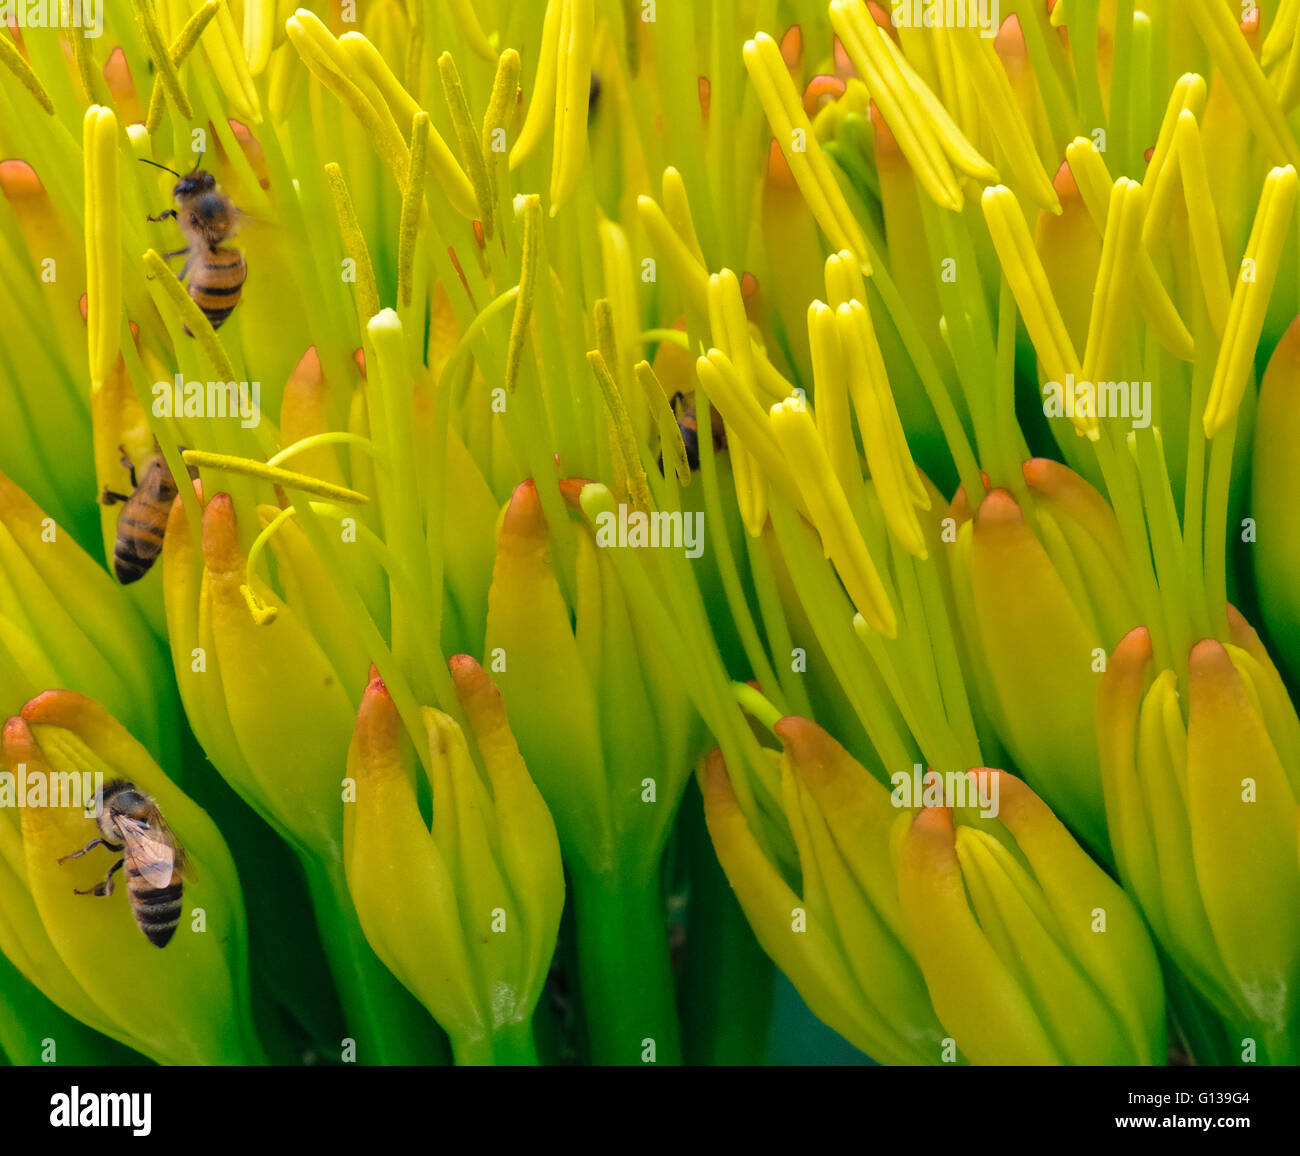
(103, 242)
(841, 539)
(798, 142)
(1029, 283)
(1250, 299)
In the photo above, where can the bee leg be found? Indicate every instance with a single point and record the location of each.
(175, 253)
(129, 466)
(672, 401)
(166, 214)
(105, 888)
(89, 846)
(112, 497)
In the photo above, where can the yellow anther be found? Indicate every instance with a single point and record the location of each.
(799, 145)
(103, 242)
(841, 538)
(1250, 299)
(1203, 223)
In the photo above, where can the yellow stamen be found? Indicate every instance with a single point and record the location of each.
(181, 47)
(467, 21)
(677, 207)
(103, 242)
(1203, 223)
(799, 145)
(1232, 55)
(542, 106)
(168, 77)
(365, 55)
(844, 280)
(327, 438)
(572, 99)
(1111, 298)
(1280, 41)
(225, 52)
(501, 104)
(830, 377)
(888, 455)
(259, 33)
(1001, 112)
(190, 314)
(275, 475)
(354, 245)
(842, 541)
(1188, 96)
(619, 279)
(532, 213)
(926, 134)
(471, 153)
(12, 59)
(412, 204)
(331, 64)
(1028, 280)
(638, 485)
(694, 280)
(262, 613)
(1094, 183)
(670, 434)
(1250, 299)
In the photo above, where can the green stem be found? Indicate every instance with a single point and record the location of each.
(624, 972)
(389, 1026)
(727, 986)
(513, 1045)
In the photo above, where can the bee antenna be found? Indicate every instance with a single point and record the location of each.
(198, 162)
(147, 161)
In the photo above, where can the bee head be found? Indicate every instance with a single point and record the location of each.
(194, 184)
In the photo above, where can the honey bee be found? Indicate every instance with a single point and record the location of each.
(207, 219)
(684, 410)
(143, 520)
(129, 821)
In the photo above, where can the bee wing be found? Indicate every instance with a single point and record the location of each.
(149, 847)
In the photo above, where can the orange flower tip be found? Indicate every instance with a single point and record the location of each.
(1287, 351)
(1208, 658)
(959, 507)
(821, 90)
(718, 793)
(374, 682)
(18, 180)
(524, 513)
(753, 685)
(470, 679)
(1064, 183)
(1009, 43)
(1049, 477)
(84, 306)
(886, 142)
(378, 725)
(1150, 153)
(792, 46)
(809, 747)
(1250, 28)
(778, 168)
(478, 234)
(55, 707)
(1134, 650)
(571, 490)
(998, 508)
(934, 825)
(19, 743)
(705, 90)
(221, 553)
(308, 371)
(359, 356)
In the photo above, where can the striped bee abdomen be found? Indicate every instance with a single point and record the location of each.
(216, 281)
(157, 909)
(143, 523)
